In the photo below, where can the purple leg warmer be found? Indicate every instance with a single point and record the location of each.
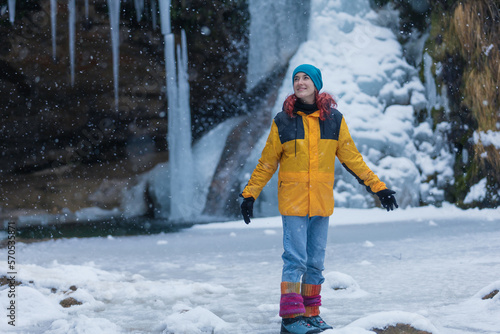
(291, 304)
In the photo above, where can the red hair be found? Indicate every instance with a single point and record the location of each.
(324, 101)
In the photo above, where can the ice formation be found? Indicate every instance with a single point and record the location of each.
(71, 26)
(272, 45)
(53, 25)
(12, 11)
(114, 19)
(179, 122)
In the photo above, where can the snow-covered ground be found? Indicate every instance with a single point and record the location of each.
(428, 267)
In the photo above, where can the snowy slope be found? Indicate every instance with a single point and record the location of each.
(428, 267)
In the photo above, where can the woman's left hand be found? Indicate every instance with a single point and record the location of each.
(387, 199)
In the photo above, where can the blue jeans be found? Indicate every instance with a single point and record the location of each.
(304, 243)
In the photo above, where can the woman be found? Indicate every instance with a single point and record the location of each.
(304, 140)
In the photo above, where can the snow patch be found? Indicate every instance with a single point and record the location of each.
(83, 324)
(36, 307)
(484, 312)
(343, 286)
(384, 319)
(477, 192)
(193, 321)
(368, 244)
(487, 138)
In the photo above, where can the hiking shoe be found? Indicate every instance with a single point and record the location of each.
(298, 325)
(318, 322)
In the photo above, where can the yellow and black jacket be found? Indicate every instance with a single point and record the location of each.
(304, 146)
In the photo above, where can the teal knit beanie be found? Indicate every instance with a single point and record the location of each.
(313, 72)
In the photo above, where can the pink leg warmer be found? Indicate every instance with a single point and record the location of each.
(291, 303)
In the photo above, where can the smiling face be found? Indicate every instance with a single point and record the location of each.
(304, 88)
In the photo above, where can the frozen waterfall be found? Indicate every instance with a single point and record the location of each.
(277, 28)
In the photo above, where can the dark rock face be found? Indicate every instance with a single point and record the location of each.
(49, 122)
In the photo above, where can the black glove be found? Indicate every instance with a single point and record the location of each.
(386, 199)
(247, 209)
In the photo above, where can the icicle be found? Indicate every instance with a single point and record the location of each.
(53, 23)
(185, 159)
(139, 8)
(179, 121)
(430, 85)
(174, 143)
(154, 13)
(170, 69)
(171, 75)
(165, 17)
(12, 11)
(86, 9)
(184, 53)
(114, 20)
(182, 64)
(71, 23)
